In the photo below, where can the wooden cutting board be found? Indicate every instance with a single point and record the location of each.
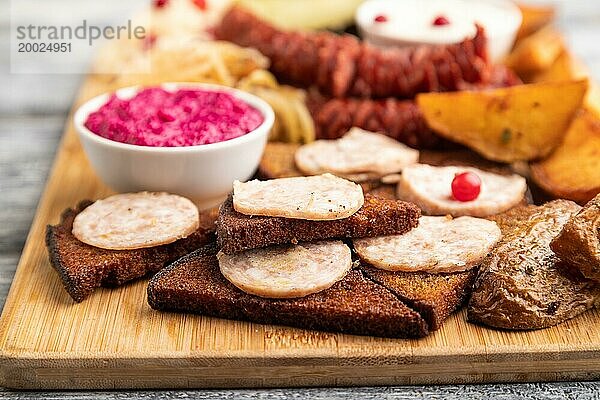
(114, 340)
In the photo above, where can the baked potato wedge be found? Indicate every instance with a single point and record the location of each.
(536, 53)
(522, 284)
(567, 67)
(572, 171)
(518, 123)
(535, 17)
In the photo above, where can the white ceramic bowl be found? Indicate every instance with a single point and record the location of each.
(500, 18)
(202, 172)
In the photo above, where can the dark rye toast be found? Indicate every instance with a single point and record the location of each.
(377, 217)
(354, 305)
(83, 268)
(366, 302)
(433, 296)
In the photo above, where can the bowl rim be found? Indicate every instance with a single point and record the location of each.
(505, 29)
(93, 104)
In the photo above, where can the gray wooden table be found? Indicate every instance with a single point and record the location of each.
(33, 110)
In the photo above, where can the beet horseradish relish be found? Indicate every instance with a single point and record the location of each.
(185, 117)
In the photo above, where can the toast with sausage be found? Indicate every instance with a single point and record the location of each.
(377, 217)
(84, 268)
(365, 302)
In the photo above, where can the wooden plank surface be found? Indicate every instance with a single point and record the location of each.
(114, 340)
(33, 109)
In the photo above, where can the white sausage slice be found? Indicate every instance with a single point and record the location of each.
(136, 220)
(437, 245)
(287, 271)
(430, 188)
(321, 197)
(359, 154)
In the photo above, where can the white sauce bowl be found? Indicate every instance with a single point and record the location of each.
(202, 173)
(410, 22)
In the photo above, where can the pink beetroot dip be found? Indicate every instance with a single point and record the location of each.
(186, 117)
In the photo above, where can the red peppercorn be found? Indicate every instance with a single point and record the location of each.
(466, 186)
(201, 4)
(380, 18)
(441, 20)
(160, 3)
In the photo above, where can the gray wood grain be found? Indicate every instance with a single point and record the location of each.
(33, 110)
(579, 391)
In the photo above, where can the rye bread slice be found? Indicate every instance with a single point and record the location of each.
(354, 305)
(378, 217)
(433, 296)
(83, 268)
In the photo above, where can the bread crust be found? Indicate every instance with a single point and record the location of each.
(433, 296)
(238, 232)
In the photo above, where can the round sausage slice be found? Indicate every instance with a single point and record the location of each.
(430, 188)
(358, 154)
(136, 220)
(321, 197)
(287, 271)
(437, 245)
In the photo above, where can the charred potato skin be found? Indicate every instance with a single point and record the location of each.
(522, 283)
(579, 241)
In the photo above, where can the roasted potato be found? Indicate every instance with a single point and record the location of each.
(572, 171)
(536, 53)
(534, 18)
(566, 68)
(518, 123)
(522, 284)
